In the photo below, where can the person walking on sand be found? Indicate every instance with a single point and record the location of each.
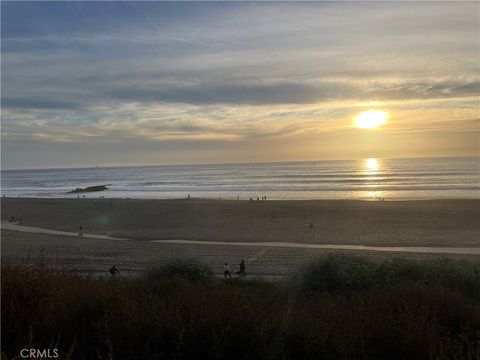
(242, 271)
(80, 231)
(226, 271)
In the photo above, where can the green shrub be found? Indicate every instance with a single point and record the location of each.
(126, 319)
(250, 284)
(399, 269)
(337, 273)
(189, 270)
(346, 274)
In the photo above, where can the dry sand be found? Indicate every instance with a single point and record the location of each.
(452, 223)
(94, 256)
(381, 223)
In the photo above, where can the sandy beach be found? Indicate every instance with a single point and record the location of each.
(375, 223)
(452, 223)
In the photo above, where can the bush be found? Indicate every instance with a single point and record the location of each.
(250, 284)
(126, 319)
(337, 273)
(189, 270)
(347, 274)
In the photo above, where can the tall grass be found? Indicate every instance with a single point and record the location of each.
(358, 310)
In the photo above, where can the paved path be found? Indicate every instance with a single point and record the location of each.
(415, 249)
(410, 249)
(36, 230)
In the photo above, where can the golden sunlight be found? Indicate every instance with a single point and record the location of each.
(371, 119)
(371, 164)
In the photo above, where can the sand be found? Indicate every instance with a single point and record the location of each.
(449, 223)
(378, 223)
(131, 257)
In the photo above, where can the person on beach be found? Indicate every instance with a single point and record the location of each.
(226, 271)
(242, 271)
(113, 271)
(80, 231)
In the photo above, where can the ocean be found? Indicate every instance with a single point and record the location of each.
(368, 179)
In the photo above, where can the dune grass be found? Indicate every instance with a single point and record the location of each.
(336, 308)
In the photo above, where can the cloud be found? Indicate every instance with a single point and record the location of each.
(231, 73)
(38, 103)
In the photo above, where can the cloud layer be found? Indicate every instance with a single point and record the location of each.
(228, 75)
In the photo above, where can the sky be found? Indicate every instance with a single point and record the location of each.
(138, 83)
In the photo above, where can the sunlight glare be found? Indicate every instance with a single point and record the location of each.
(371, 164)
(371, 119)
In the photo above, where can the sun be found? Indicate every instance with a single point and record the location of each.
(371, 119)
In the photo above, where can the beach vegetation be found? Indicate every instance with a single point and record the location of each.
(347, 274)
(189, 270)
(360, 309)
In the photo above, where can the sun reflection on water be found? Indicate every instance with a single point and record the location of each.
(371, 169)
(371, 165)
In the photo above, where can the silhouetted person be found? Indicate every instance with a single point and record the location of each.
(311, 225)
(12, 219)
(113, 271)
(80, 231)
(226, 271)
(242, 271)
